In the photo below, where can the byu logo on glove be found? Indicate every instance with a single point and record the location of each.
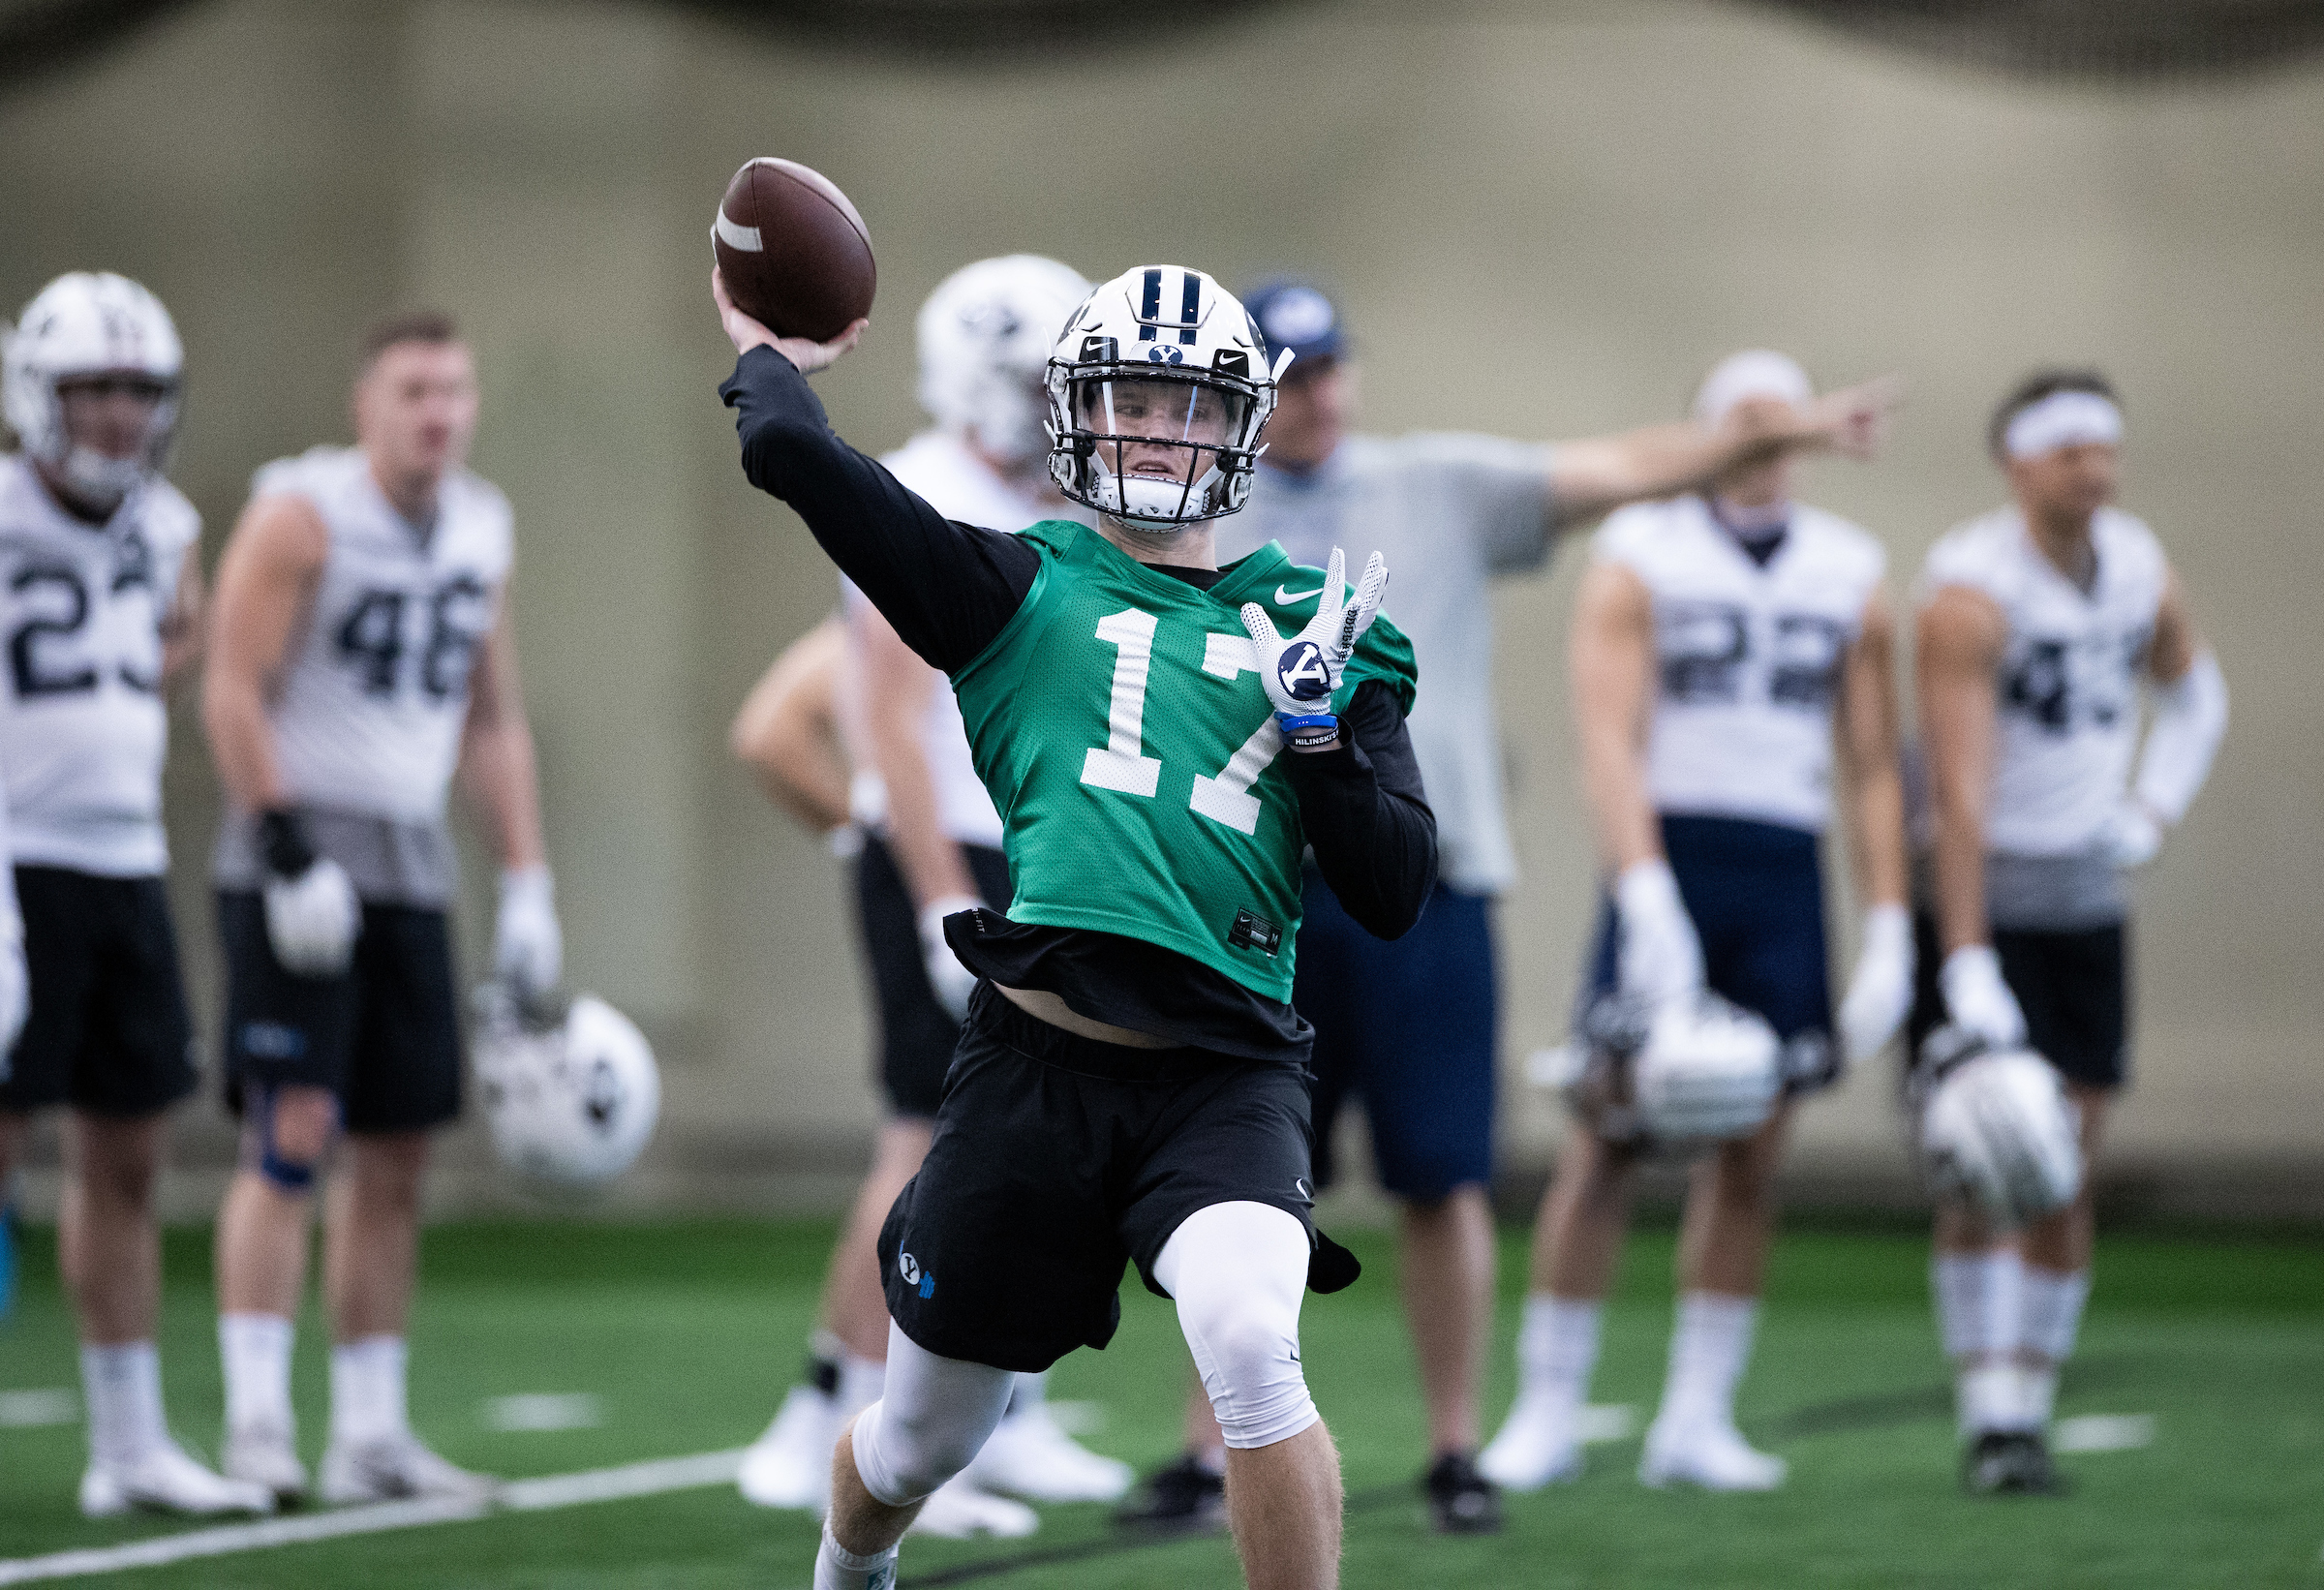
(1302, 671)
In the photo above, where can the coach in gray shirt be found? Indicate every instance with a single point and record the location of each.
(1409, 1025)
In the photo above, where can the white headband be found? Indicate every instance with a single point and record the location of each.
(1756, 374)
(2063, 420)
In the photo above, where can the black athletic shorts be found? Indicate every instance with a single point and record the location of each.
(916, 1035)
(385, 1036)
(1052, 1169)
(107, 1030)
(2073, 985)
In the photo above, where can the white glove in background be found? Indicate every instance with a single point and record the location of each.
(1880, 995)
(1976, 998)
(952, 982)
(528, 947)
(1660, 956)
(2133, 837)
(312, 919)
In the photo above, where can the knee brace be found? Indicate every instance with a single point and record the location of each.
(932, 1420)
(262, 1153)
(1238, 1272)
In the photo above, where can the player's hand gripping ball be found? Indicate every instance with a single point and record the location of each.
(793, 251)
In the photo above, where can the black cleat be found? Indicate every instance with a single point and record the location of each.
(1460, 1500)
(2011, 1463)
(1184, 1498)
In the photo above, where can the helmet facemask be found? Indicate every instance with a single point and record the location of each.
(1157, 446)
(98, 478)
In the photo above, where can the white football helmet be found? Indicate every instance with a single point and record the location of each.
(91, 323)
(571, 1096)
(1996, 1127)
(985, 338)
(1163, 356)
(1678, 1075)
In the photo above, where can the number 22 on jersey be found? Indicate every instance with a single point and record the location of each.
(1121, 764)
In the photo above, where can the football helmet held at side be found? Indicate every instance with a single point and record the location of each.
(1674, 1074)
(1158, 388)
(89, 324)
(1995, 1127)
(570, 1093)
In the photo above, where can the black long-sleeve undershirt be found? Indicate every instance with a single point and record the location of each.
(949, 589)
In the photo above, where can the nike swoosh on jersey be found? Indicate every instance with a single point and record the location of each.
(1284, 599)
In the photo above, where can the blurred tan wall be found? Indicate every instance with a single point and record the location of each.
(1544, 222)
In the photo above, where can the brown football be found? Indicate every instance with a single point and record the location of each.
(793, 251)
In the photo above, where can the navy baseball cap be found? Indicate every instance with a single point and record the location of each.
(1296, 314)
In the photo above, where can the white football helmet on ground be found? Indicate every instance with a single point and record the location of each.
(1165, 356)
(1675, 1074)
(86, 325)
(985, 336)
(571, 1095)
(1995, 1127)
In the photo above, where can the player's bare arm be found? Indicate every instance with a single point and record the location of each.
(897, 687)
(1865, 749)
(266, 580)
(182, 633)
(1591, 477)
(1613, 654)
(787, 731)
(1957, 654)
(497, 763)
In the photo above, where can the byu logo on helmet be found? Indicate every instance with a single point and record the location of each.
(1301, 667)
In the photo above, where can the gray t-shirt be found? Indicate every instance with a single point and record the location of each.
(1448, 512)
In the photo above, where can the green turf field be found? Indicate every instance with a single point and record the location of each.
(686, 1334)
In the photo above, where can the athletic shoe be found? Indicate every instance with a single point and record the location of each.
(165, 1479)
(264, 1455)
(1712, 1456)
(2011, 1463)
(957, 1511)
(396, 1467)
(789, 1466)
(1183, 1499)
(1029, 1456)
(1537, 1446)
(1460, 1500)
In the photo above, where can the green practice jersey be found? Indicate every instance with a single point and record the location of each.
(1120, 724)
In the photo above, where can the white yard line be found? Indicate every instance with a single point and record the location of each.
(2104, 1432)
(710, 1468)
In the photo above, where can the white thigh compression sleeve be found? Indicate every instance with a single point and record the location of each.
(1238, 1272)
(932, 1419)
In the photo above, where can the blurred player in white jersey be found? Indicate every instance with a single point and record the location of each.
(102, 596)
(2038, 624)
(1725, 644)
(363, 646)
(930, 847)
(1410, 1027)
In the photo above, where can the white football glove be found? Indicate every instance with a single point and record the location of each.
(2132, 836)
(1880, 992)
(1977, 1000)
(1661, 959)
(528, 946)
(1301, 674)
(952, 982)
(312, 919)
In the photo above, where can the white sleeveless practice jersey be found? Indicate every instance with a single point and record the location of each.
(2068, 683)
(939, 467)
(83, 731)
(1748, 658)
(373, 704)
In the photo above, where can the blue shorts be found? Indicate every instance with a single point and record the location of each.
(1755, 892)
(1409, 1025)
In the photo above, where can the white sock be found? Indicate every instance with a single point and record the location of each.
(1709, 1345)
(1990, 1397)
(122, 1385)
(367, 1391)
(1027, 1395)
(2036, 1395)
(861, 1382)
(838, 1568)
(1557, 1348)
(2050, 1312)
(1979, 1300)
(255, 1351)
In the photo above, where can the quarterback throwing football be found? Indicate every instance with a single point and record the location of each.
(1131, 1082)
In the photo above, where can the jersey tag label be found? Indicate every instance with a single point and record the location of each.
(1253, 931)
